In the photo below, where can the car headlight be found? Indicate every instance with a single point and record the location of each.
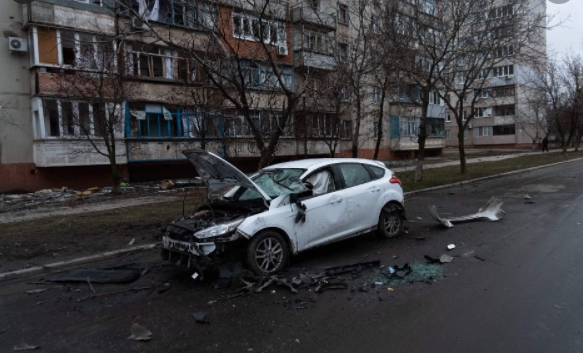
(219, 229)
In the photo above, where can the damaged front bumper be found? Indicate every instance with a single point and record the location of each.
(197, 255)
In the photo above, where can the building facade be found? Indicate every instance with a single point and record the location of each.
(49, 139)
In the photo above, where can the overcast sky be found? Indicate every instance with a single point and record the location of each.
(570, 34)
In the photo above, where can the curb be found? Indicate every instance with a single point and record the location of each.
(57, 265)
(495, 176)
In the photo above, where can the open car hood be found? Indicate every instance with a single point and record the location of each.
(218, 174)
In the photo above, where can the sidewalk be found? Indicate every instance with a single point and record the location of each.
(474, 160)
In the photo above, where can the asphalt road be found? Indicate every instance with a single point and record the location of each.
(514, 286)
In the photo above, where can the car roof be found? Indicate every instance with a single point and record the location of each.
(314, 163)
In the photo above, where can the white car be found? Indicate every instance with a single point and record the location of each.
(282, 210)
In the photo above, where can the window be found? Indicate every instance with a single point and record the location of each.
(504, 51)
(343, 52)
(354, 174)
(152, 61)
(374, 23)
(314, 4)
(344, 94)
(51, 118)
(504, 110)
(153, 120)
(448, 134)
(483, 74)
(482, 112)
(464, 116)
(251, 28)
(502, 71)
(346, 129)
(461, 61)
(377, 172)
(461, 78)
(448, 118)
(67, 45)
(483, 131)
(485, 94)
(466, 134)
(67, 119)
(434, 98)
(503, 11)
(503, 92)
(435, 127)
(408, 126)
(343, 15)
(376, 95)
(504, 130)
(375, 128)
(318, 42)
(322, 182)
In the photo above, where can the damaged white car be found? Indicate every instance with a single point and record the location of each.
(282, 210)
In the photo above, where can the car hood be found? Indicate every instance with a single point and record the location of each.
(217, 173)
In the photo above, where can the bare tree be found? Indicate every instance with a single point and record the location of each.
(241, 48)
(531, 114)
(492, 41)
(573, 82)
(94, 88)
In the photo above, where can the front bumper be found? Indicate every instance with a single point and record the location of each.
(187, 255)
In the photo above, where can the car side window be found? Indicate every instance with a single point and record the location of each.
(322, 182)
(354, 174)
(378, 172)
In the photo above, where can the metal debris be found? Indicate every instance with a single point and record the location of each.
(358, 267)
(444, 259)
(492, 211)
(139, 333)
(327, 286)
(527, 197)
(36, 291)
(451, 247)
(25, 347)
(132, 241)
(201, 318)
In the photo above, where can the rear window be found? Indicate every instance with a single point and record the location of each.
(354, 174)
(378, 172)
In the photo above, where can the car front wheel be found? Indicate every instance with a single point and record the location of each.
(267, 253)
(391, 223)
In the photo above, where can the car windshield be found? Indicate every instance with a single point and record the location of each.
(275, 182)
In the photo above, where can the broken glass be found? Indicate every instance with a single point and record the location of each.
(275, 183)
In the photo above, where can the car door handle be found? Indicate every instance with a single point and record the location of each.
(374, 189)
(335, 200)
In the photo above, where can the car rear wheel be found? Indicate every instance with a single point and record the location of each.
(391, 223)
(267, 253)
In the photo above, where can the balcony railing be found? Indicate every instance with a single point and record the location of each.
(314, 17)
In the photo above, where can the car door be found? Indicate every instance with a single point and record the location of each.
(325, 211)
(361, 196)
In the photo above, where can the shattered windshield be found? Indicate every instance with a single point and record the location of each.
(275, 182)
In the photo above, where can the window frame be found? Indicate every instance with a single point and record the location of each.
(344, 185)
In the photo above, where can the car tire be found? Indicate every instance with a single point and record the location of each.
(267, 253)
(391, 223)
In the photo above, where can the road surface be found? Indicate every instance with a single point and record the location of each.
(514, 286)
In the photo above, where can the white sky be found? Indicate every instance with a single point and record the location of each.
(570, 34)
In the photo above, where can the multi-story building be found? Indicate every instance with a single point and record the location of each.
(41, 146)
(503, 114)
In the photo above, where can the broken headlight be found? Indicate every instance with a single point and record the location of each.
(219, 229)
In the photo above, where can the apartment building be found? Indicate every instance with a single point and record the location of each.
(42, 145)
(503, 114)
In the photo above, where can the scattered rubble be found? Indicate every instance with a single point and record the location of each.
(36, 291)
(201, 318)
(339, 270)
(139, 333)
(451, 247)
(492, 211)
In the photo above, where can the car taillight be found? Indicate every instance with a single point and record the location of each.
(395, 180)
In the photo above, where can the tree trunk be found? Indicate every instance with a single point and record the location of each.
(114, 174)
(356, 127)
(380, 132)
(462, 151)
(421, 140)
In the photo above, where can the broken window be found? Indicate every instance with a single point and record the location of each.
(275, 183)
(68, 52)
(84, 118)
(47, 46)
(152, 61)
(354, 174)
(251, 28)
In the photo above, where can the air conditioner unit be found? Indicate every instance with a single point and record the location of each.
(17, 45)
(136, 23)
(282, 50)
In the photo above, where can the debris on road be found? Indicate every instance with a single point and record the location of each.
(25, 347)
(416, 272)
(432, 260)
(139, 333)
(451, 247)
(36, 291)
(201, 318)
(327, 286)
(98, 275)
(479, 258)
(445, 259)
(358, 267)
(527, 197)
(492, 211)
(132, 241)
(112, 293)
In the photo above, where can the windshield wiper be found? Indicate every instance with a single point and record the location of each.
(270, 175)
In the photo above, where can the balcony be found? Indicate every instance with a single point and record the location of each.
(314, 17)
(316, 105)
(305, 59)
(73, 152)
